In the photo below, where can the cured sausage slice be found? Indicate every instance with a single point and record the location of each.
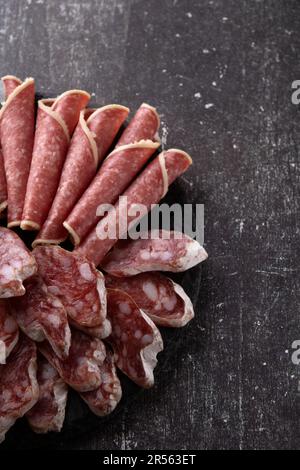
(106, 397)
(76, 282)
(16, 264)
(135, 339)
(159, 250)
(148, 188)
(17, 135)
(144, 125)
(41, 315)
(19, 389)
(102, 331)
(56, 122)
(9, 331)
(3, 187)
(49, 412)
(116, 173)
(81, 369)
(164, 301)
(91, 141)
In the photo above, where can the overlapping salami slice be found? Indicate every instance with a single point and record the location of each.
(81, 369)
(3, 186)
(102, 331)
(9, 331)
(148, 188)
(17, 135)
(144, 125)
(19, 389)
(135, 339)
(41, 315)
(105, 398)
(116, 173)
(91, 141)
(16, 264)
(48, 414)
(56, 122)
(164, 301)
(76, 282)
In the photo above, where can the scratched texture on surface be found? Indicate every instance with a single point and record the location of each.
(220, 73)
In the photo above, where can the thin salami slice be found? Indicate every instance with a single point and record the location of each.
(102, 331)
(91, 141)
(41, 315)
(3, 186)
(16, 264)
(76, 282)
(144, 125)
(159, 250)
(148, 189)
(49, 412)
(19, 389)
(17, 135)
(9, 331)
(135, 339)
(164, 301)
(106, 397)
(56, 122)
(81, 369)
(116, 173)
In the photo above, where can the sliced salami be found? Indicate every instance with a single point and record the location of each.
(144, 125)
(49, 412)
(41, 315)
(9, 331)
(135, 339)
(116, 173)
(3, 187)
(148, 189)
(17, 134)
(19, 389)
(106, 397)
(56, 122)
(91, 141)
(81, 369)
(16, 264)
(76, 282)
(102, 331)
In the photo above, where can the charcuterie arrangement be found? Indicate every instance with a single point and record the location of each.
(73, 318)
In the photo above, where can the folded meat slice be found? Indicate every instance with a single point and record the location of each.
(9, 331)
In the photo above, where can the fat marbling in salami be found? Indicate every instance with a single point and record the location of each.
(9, 331)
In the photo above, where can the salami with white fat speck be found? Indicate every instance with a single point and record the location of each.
(3, 185)
(144, 125)
(9, 331)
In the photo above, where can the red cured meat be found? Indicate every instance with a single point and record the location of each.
(9, 331)
(81, 369)
(148, 188)
(161, 250)
(19, 389)
(17, 135)
(105, 398)
(102, 331)
(135, 339)
(49, 412)
(56, 122)
(3, 187)
(41, 315)
(91, 141)
(164, 301)
(116, 173)
(144, 125)
(76, 282)
(16, 264)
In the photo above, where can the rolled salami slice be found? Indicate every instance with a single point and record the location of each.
(16, 264)
(56, 122)
(164, 301)
(41, 315)
(9, 331)
(144, 125)
(116, 173)
(148, 189)
(91, 141)
(81, 369)
(17, 135)
(19, 389)
(3, 186)
(49, 412)
(135, 339)
(106, 397)
(76, 282)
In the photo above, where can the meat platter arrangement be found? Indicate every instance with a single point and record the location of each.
(73, 318)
